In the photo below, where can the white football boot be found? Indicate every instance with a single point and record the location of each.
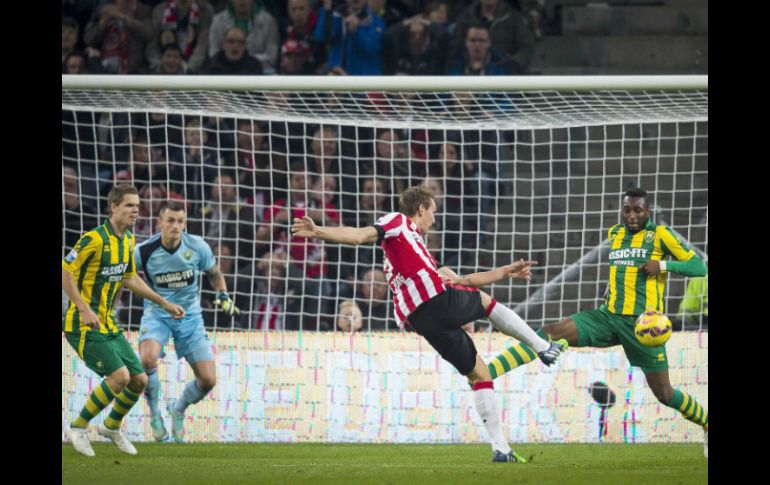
(80, 442)
(117, 437)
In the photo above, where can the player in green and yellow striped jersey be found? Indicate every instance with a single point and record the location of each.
(638, 257)
(92, 274)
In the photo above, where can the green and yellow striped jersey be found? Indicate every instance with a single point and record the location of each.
(99, 262)
(631, 290)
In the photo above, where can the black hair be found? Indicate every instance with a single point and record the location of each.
(637, 192)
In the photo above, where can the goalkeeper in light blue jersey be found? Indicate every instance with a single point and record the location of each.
(172, 262)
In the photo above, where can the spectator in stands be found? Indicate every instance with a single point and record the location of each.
(324, 151)
(299, 27)
(436, 189)
(171, 61)
(79, 216)
(294, 60)
(258, 26)
(509, 34)
(185, 23)
(437, 12)
(694, 307)
(394, 160)
(120, 30)
(349, 317)
(478, 58)
(266, 295)
(253, 164)
(308, 269)
(353, 34)
(69, 38)
(469, 192)
(415, 47)
(374, 201)
(434, 242)
(77, 62)
(140, 169)
(226, 218)
(232, 58)
(152, 196)
(197, 161)
(374, 301)
(321, 206)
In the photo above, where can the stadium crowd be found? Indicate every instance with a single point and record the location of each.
(347, 37)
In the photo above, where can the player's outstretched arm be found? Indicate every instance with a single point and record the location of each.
(137, 285)
(305, 227)
(68, 285)
(519, 269)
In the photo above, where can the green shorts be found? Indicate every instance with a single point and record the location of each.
(105, 353)
(601, 328)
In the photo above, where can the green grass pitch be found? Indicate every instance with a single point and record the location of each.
(323, 463)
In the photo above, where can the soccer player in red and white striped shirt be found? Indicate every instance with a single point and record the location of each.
(436, 303)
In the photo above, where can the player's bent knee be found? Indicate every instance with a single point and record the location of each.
(663, 394)
(118, 380)
(150, 362)
(138, 382)
(207, 383)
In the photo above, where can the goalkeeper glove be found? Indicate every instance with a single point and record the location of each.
(226, 304)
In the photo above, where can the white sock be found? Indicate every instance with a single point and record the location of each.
(486, 406)
(508, 322)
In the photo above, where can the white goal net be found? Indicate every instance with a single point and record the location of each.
(535, 171)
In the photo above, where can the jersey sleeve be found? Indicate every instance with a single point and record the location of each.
(207, 260)
(672, 244)
(86, 247)
(131, 270)
(390, 225)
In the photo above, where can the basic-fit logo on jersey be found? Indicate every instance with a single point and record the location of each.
(175, 279)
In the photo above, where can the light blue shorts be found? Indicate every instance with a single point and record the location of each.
(190, 337)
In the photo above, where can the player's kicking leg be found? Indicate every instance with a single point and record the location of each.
(533, 344)
(149, 353)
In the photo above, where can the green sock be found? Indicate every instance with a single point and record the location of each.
(122, 405)
(689, 407)
(98, 400)
(513, 357)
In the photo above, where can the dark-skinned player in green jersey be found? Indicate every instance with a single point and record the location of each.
(639, 258)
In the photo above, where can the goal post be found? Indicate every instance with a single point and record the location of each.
(521, 167)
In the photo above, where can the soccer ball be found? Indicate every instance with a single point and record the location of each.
(652, 329)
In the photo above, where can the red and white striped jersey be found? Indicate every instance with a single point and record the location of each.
(411, 271)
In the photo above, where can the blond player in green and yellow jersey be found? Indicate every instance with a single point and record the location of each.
(639, 258)
(92, 274)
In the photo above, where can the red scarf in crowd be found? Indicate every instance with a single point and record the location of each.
(186, 40)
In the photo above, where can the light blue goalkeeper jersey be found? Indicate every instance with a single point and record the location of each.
(174, 274)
